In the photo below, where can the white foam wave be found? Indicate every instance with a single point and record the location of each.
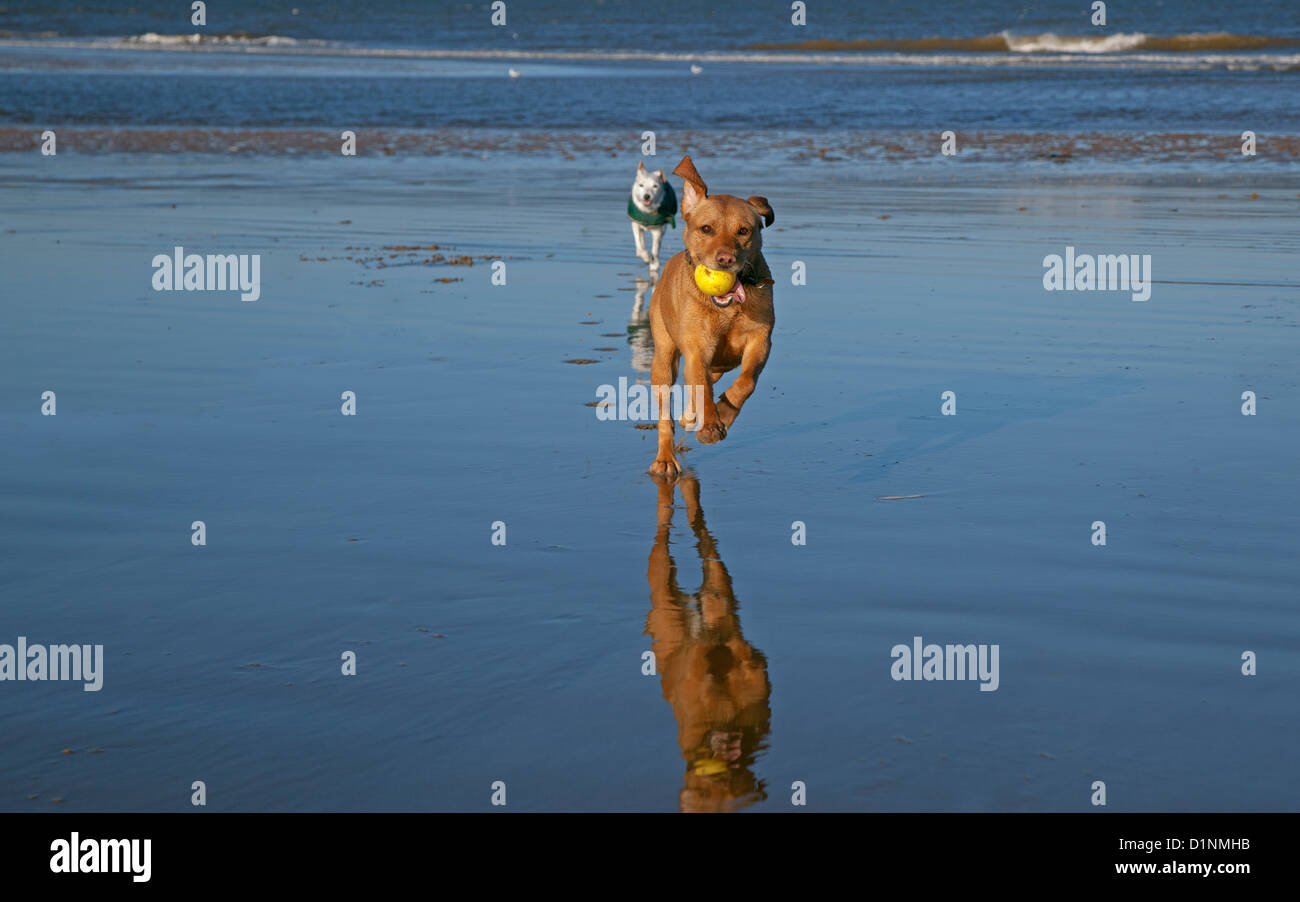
(1052, 43)
(151, 38)
(291, 47)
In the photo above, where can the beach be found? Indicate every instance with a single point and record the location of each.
(359, 534)
(523, 662)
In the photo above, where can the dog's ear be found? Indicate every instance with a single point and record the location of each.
(693, 188)
(659, 174)
(640, 166)
(764, 209)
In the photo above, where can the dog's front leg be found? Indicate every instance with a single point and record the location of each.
(700, 409)
(663, 373)
(656, 236)
(638, 241)
(661, 572)
(752, 361)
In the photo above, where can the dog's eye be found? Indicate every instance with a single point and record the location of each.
(742, 231)
(706, 229)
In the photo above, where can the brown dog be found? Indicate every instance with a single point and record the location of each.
(710, 335)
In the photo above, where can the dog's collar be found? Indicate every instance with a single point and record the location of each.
(745, 276)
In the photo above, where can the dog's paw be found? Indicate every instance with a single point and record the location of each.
(726, 412)
(643, 256)
(711, 432)
(666, 469)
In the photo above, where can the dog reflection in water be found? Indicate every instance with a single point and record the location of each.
(638, 330)
(715, 681)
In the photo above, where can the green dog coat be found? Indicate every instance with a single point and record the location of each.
(665, 213)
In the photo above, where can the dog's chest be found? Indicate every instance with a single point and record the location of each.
(734, 330)
(728, 352)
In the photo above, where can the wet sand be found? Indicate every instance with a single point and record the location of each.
(523, 663)
(1084, 149)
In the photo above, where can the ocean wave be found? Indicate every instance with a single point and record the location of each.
(151, 38)
(941, 56)
(1051, 43)
(1005, 42)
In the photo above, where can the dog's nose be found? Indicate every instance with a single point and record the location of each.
(725, 259)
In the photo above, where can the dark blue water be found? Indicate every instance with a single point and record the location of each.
(632, 24)
(626, 65)
(661, 96)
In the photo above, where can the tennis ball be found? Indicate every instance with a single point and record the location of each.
(713, 282)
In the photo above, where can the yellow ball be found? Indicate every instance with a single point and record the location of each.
(714, 282)
(710, 767)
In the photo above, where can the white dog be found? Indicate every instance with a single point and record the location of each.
(652, 206)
